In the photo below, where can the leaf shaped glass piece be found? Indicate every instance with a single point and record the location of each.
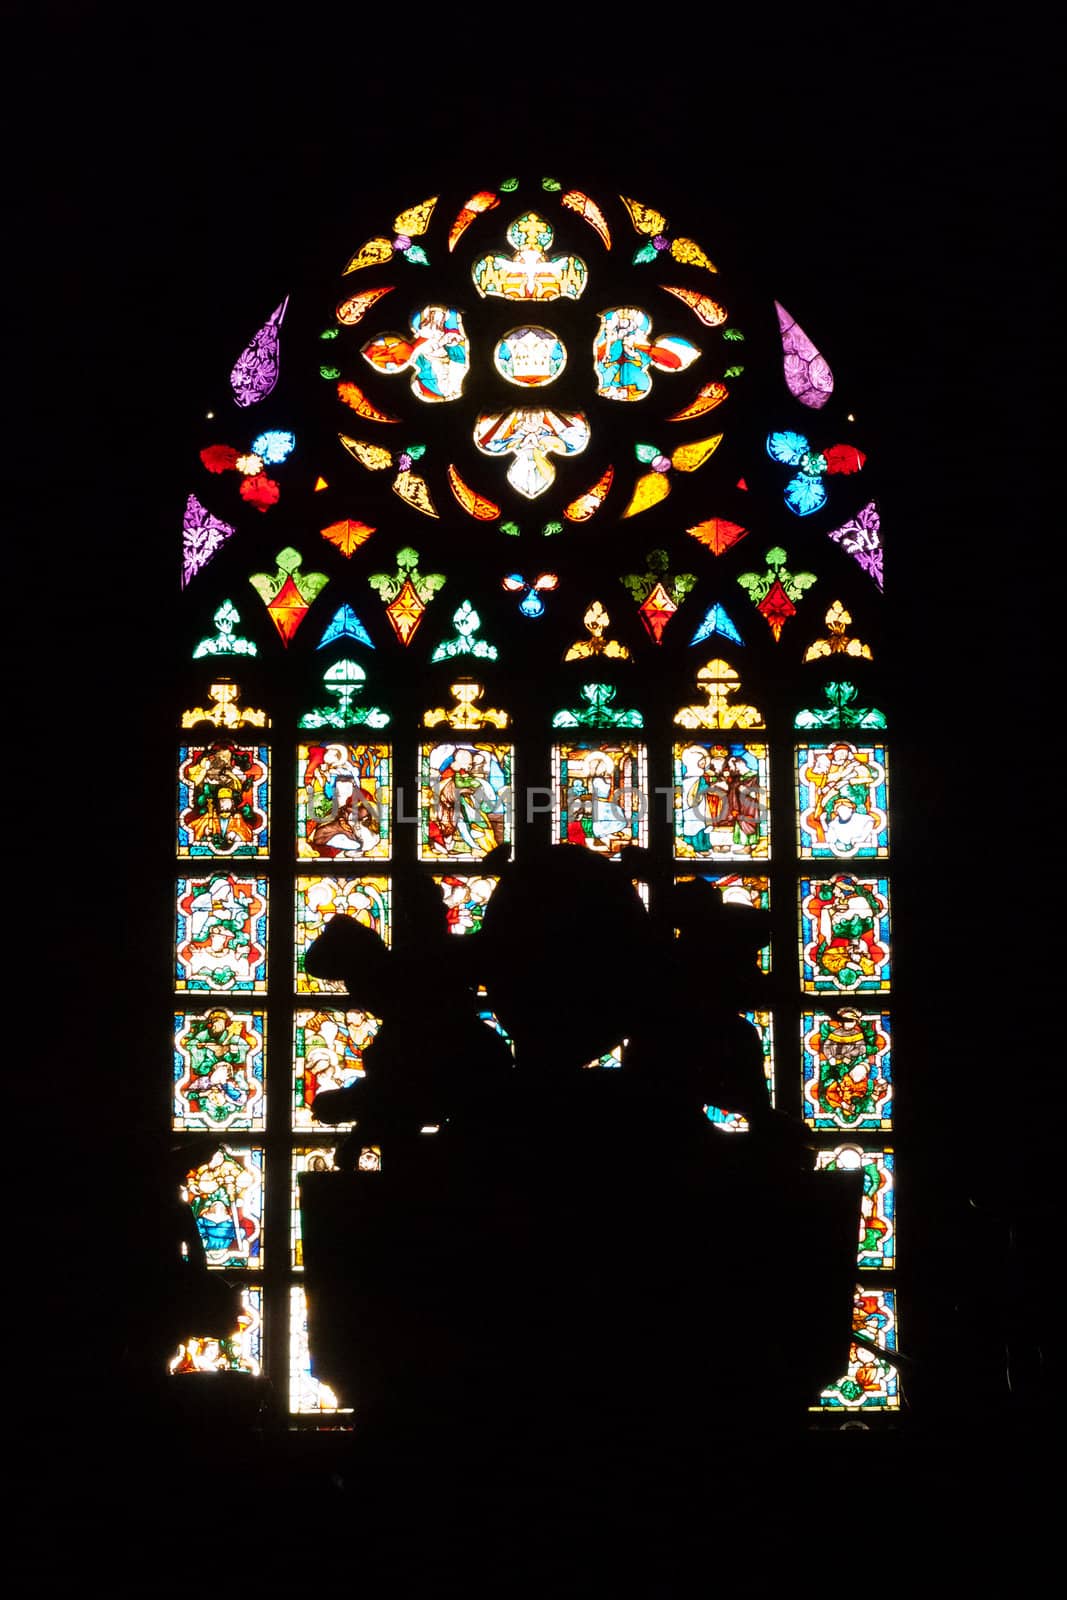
(415, 492)
(643, 255)
(688, 457)
(717, 534)
(706, 399)
(804, 494)
(355, 308)
(416, 219)
(861, 538)
(255, 372)
(352, 395)
(484, 200)
(646, 453)
(260, 491)
(807, 373)
(649, 490)
(274, 446)
(844, 458)
(220, 458)
(644, 218)
(203, 536)
(589, 212)
(474, 504)
(787, 447)
(716, 621)
(689, 253)
(347, 535)
(416, 255)
(588, 504)
(373, 253)
(345, 625)
(710, 312)
(374, 457)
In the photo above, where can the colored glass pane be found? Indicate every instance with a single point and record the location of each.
(844, 935)
(877, 1231)
(870, 1382)
(222, 800)
(848, 1080)
(221, 934)
(466, 804)
(225, 1194)
(465, 899)
(367, 900)
(239, 1351)
(307, 1396)
(218, 1070)
(842, 809)
(328, 1050)
(343, 801)
(721, 801)
(601, 795)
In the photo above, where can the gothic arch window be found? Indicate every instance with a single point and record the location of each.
(525, 520)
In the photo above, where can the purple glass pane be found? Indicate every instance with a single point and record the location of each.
(203, 535)
(807, 372)
(256, 370)
(860, 538)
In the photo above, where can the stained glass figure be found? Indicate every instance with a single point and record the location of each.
(598, 711)
(466, 642)
(587, 505)
(224, 711)
(343, 801)
(716, 621)
(239, 1351)
(840, 712)
(652, 487)
(465, 901)
(530, 274)
(844, 935)
(871, 1381)
(773, 591)
(839, 641)
(225, 642)
(465, 714)
(328, 1050)
(255, 371)
(601, 795)
(530, 603)
(474, 504)
(412, 489)
(653, 224)
(484, 200)
(877, 1233)
(861, 538)
(848, 1078)
(466, 800)
(218, 1070)
(344, 680)
(287, 592)
(367, 900)
(406, 593)
(597, 621)
(222, 800)
(624, 354)
(726, 1121)
(305, 1158)
(531, 437)
(807, 373)
(203, 536)
(221, 934)
(806, 492)
(717, 534)
(355, 307)
(530, 356)
(347, 535)
(738, 890)
(307, 1396)
(438, 354)
(721, 801)
(842, 809)
(344, 624)
(718, 681)
(225, 1194)
(658, 593)
(407, 225)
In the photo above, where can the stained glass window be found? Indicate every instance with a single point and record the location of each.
(431, 606)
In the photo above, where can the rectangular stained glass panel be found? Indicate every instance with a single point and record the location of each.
(221, 935)
(740, 891)
(721, 802)
(328, 1051)
(344, 801)
(601, 795)
(367, 900)
(465, 900)
(222, 799)
(732, 1121)
(225, 1194)
(848, 1080)
(307, 1396)
(218, 1070)
(841, 800)
(871, 1382)
(877, 1231)
(466, 800)
(240, 1351)
(844, 935)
